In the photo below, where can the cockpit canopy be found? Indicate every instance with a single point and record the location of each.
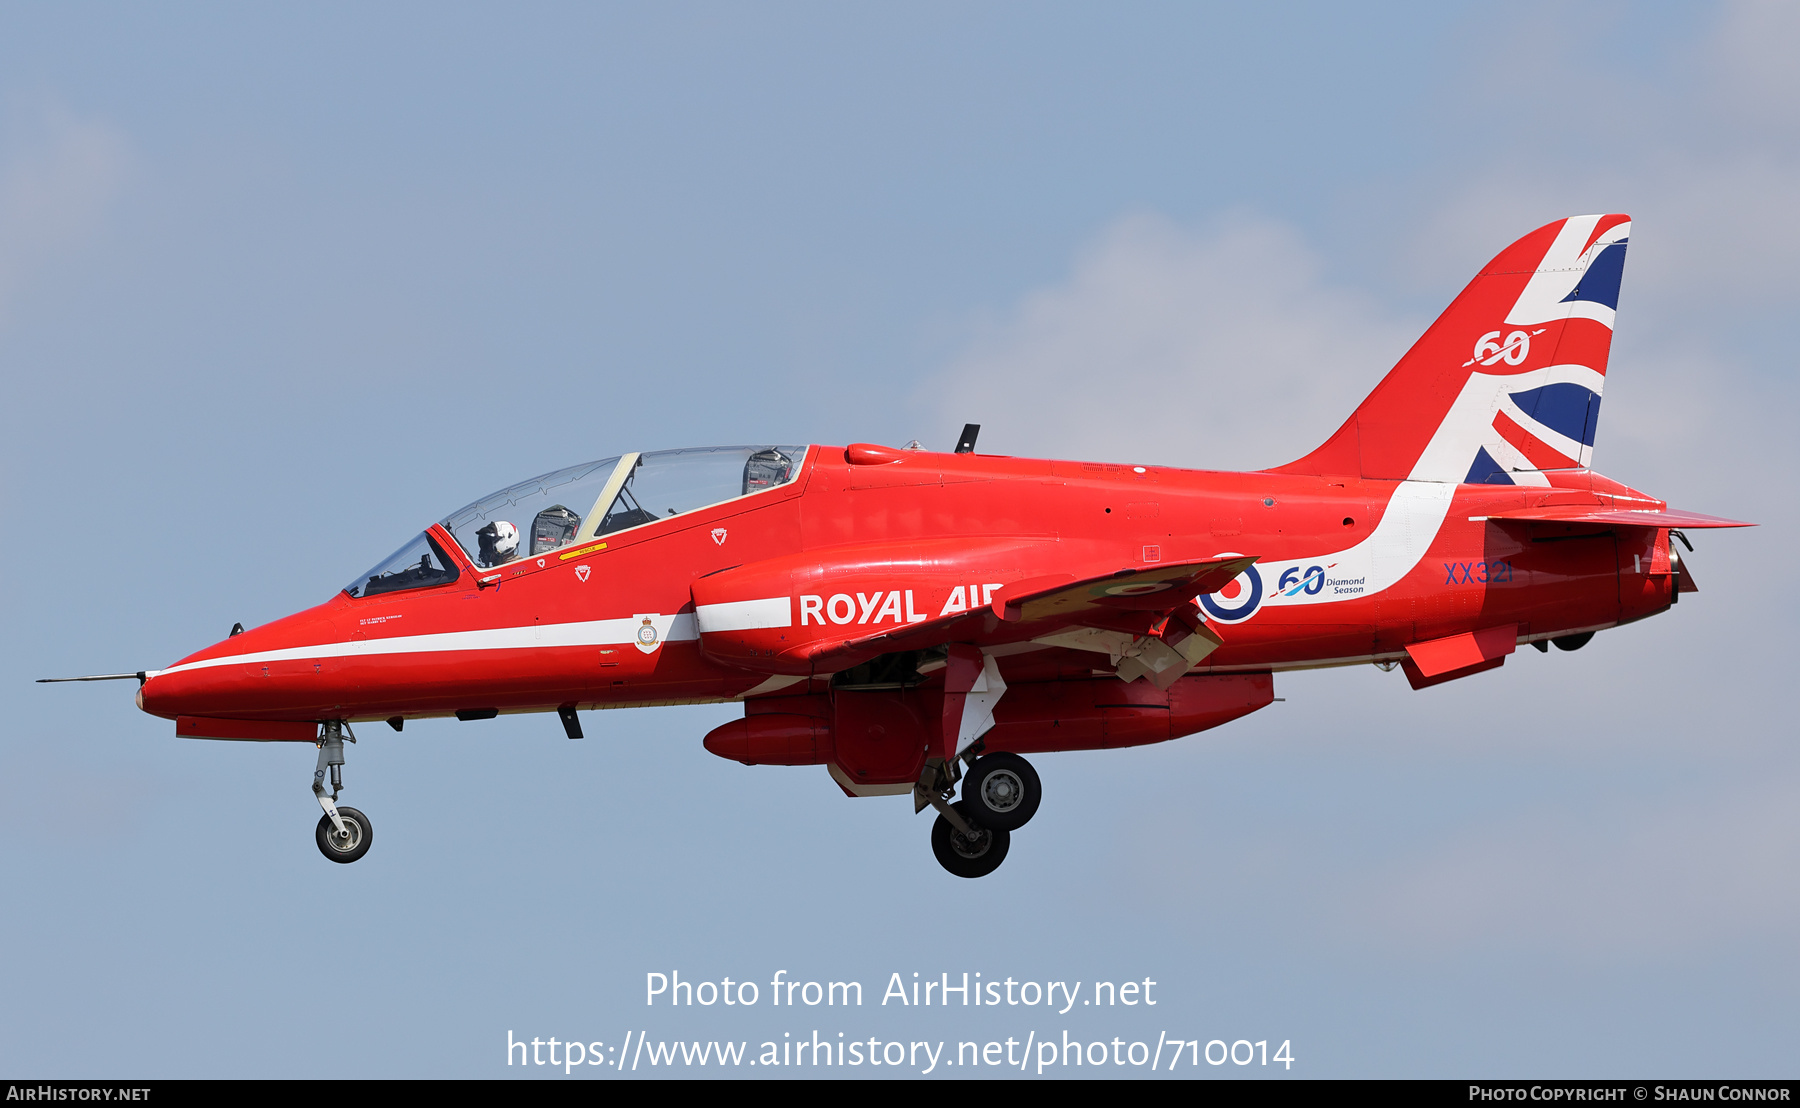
(584, 502)
(587, 501)
(416, 565)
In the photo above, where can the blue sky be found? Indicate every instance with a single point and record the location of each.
(279, 287)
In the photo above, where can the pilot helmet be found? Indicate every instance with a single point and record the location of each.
(499, 542)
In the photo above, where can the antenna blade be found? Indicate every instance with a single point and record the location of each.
(966, 443)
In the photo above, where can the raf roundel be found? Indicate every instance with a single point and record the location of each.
(1238, 600)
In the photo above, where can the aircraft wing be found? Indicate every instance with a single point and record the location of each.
(1113, 614)
(1575, 513)
(1160, 590)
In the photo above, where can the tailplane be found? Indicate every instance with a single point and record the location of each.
(1505, 387)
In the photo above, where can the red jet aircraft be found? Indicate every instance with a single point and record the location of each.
(913, 620)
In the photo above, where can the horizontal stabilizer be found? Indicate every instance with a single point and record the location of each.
(1577, 513)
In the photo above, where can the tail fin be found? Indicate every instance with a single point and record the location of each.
(1506, 384)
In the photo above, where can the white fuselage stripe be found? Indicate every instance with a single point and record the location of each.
(1407, 529)
(600, 632)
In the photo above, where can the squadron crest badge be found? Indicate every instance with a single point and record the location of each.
(645, 638)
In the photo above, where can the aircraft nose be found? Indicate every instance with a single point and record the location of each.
(264, 672)
(163, 697)
(230, 689)
(171, 695)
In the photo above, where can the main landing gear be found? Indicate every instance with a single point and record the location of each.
(1000, 795)
(344, 833)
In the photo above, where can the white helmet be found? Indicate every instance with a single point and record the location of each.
(506, 539)
(499, 542)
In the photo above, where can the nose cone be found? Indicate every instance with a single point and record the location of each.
(265, 673)
(179, 694)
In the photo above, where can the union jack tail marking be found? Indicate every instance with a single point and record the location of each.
(1505, 387)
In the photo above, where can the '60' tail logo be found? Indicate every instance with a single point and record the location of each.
(1238, 600)
(1489, 350)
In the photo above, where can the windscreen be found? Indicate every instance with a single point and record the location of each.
(417, 565)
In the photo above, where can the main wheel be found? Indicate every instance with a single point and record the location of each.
(1573, 642)
(1002, 791)
(345, 848)
(965, 856)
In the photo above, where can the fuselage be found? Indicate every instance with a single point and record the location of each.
(1348, 570)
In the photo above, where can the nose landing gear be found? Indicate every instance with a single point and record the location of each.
(971, 837)
(343, 834)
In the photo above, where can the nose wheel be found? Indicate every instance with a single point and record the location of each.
(349, 844)
(1001, 792)
(344, 834)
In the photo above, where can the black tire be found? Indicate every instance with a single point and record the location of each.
(1573, 642)
(1003, 791)
(361, 833)
(962, 857)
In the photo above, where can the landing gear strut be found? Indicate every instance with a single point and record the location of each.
(1000, 795)
(344, 834)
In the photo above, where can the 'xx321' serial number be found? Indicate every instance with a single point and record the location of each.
(1477, 573)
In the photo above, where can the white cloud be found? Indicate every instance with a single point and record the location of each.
(56, 182)
(1221, 348)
